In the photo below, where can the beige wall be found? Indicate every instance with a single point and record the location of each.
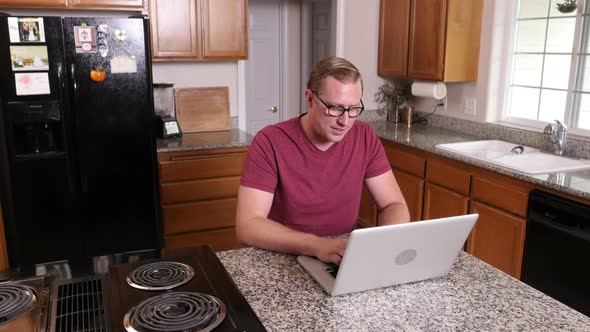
(200, 74)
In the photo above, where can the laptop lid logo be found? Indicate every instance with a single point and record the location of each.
(405, 256)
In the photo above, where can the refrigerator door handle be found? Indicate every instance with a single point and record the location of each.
(74, 83)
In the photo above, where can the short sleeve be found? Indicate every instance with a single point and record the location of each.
(260, 168)
(377, 160)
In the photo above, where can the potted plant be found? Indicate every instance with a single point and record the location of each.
(392, 97)
(567, 6)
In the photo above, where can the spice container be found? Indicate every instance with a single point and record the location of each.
(408, 115)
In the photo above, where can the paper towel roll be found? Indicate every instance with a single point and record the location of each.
(436, 90)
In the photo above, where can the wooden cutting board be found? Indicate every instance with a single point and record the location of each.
(203, 109)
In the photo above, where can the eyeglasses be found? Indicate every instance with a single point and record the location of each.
(337, 111)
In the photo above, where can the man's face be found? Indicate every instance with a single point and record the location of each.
(326, 128)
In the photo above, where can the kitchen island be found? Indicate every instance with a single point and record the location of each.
(473, 297)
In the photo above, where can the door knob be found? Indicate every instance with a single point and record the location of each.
(274, 109)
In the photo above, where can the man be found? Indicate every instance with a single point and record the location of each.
(303, 178)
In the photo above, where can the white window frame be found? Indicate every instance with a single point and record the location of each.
(511, 120)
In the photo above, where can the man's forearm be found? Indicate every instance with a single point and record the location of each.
(270, 235)
(394, 213)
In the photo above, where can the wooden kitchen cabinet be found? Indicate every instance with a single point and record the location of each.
(440, 202)
(409, 169)
(198, 196)
(367, 210)
(82, 4)
(430, 39)
(497, 238)
(132, 4)
(199, 29)
(446, 190)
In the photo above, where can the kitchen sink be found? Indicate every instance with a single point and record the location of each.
(516, 157)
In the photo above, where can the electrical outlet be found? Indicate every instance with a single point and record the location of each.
(469, 105)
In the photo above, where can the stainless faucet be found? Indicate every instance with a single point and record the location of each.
(558, 133)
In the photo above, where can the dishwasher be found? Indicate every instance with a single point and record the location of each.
(557, 249)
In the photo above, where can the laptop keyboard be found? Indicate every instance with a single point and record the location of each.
(332, 269)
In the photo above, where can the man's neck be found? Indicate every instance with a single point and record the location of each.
(309, 132)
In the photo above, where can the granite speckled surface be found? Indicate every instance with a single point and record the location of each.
(427, 137)
(207, 140)
(473, 297)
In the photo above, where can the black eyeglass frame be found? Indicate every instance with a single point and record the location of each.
(340, 109)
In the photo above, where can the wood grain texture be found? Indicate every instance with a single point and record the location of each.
(219, 240)
(448, 174)
(202, 167)
(203, 109)
(394, 25)
(427, 39)
(175, 29)
(199, 215)
(464, 21)
(225, 29)
(497, 238)
(502, 192)
(33, 3)
(412, 188)
(131, 4)
(440, 202)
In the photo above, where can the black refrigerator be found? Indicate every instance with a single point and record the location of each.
(77, 149)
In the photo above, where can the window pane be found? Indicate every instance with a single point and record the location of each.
(533, 8)
(552, 105)
(585, 26)
(583, 79)
(530, 36)
(560, 35)
(584, 112)
(527, 69)
(556, 71)
(524, 102)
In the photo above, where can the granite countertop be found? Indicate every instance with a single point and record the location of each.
(473, 297)
(206, 140)
(427, 137)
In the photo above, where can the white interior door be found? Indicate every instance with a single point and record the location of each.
(321, 33)
(263, 67)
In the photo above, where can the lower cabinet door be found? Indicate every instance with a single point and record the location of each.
(412, 188)
(219, 239)
(440, 202)
(497, 238)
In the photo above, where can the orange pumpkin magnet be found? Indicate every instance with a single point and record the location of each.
(97, 74)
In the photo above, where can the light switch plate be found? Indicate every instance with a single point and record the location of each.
(469, 105)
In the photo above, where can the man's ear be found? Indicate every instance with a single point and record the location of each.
(308, 97)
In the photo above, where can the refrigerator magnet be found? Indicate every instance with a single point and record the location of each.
(85, 39)
(97, 74)
(29, 58)
(31, 84)
(123, 64)
(26, 29)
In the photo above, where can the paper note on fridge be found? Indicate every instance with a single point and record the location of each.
(123, 64)
(31, 84)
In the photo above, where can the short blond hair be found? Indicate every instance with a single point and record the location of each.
(339, 68)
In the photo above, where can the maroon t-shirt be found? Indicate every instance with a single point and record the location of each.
(314, 191)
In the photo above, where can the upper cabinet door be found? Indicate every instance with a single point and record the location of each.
(225, 29)
(427, 39)
(175, 29)
(108, 3)
(33, 3)
(394, 25)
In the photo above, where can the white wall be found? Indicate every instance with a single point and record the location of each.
(360, 40)
(200, 74)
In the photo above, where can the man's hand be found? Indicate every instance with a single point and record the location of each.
(330, 250)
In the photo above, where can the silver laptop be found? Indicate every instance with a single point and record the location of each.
(395, 254)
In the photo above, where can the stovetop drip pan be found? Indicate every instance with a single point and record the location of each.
(176, 311)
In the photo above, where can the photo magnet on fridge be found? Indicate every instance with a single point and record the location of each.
(26, 30)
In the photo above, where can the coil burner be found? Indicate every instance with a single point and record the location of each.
(176, 311)
(15, 301)
(160, 276)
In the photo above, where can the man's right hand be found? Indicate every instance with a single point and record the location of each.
(331, 250)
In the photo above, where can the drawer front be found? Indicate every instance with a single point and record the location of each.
(405, 160)
(219, 240)
(504, 195)
(201, 167)
(448, 175)
(182, 192)
(199, 216)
